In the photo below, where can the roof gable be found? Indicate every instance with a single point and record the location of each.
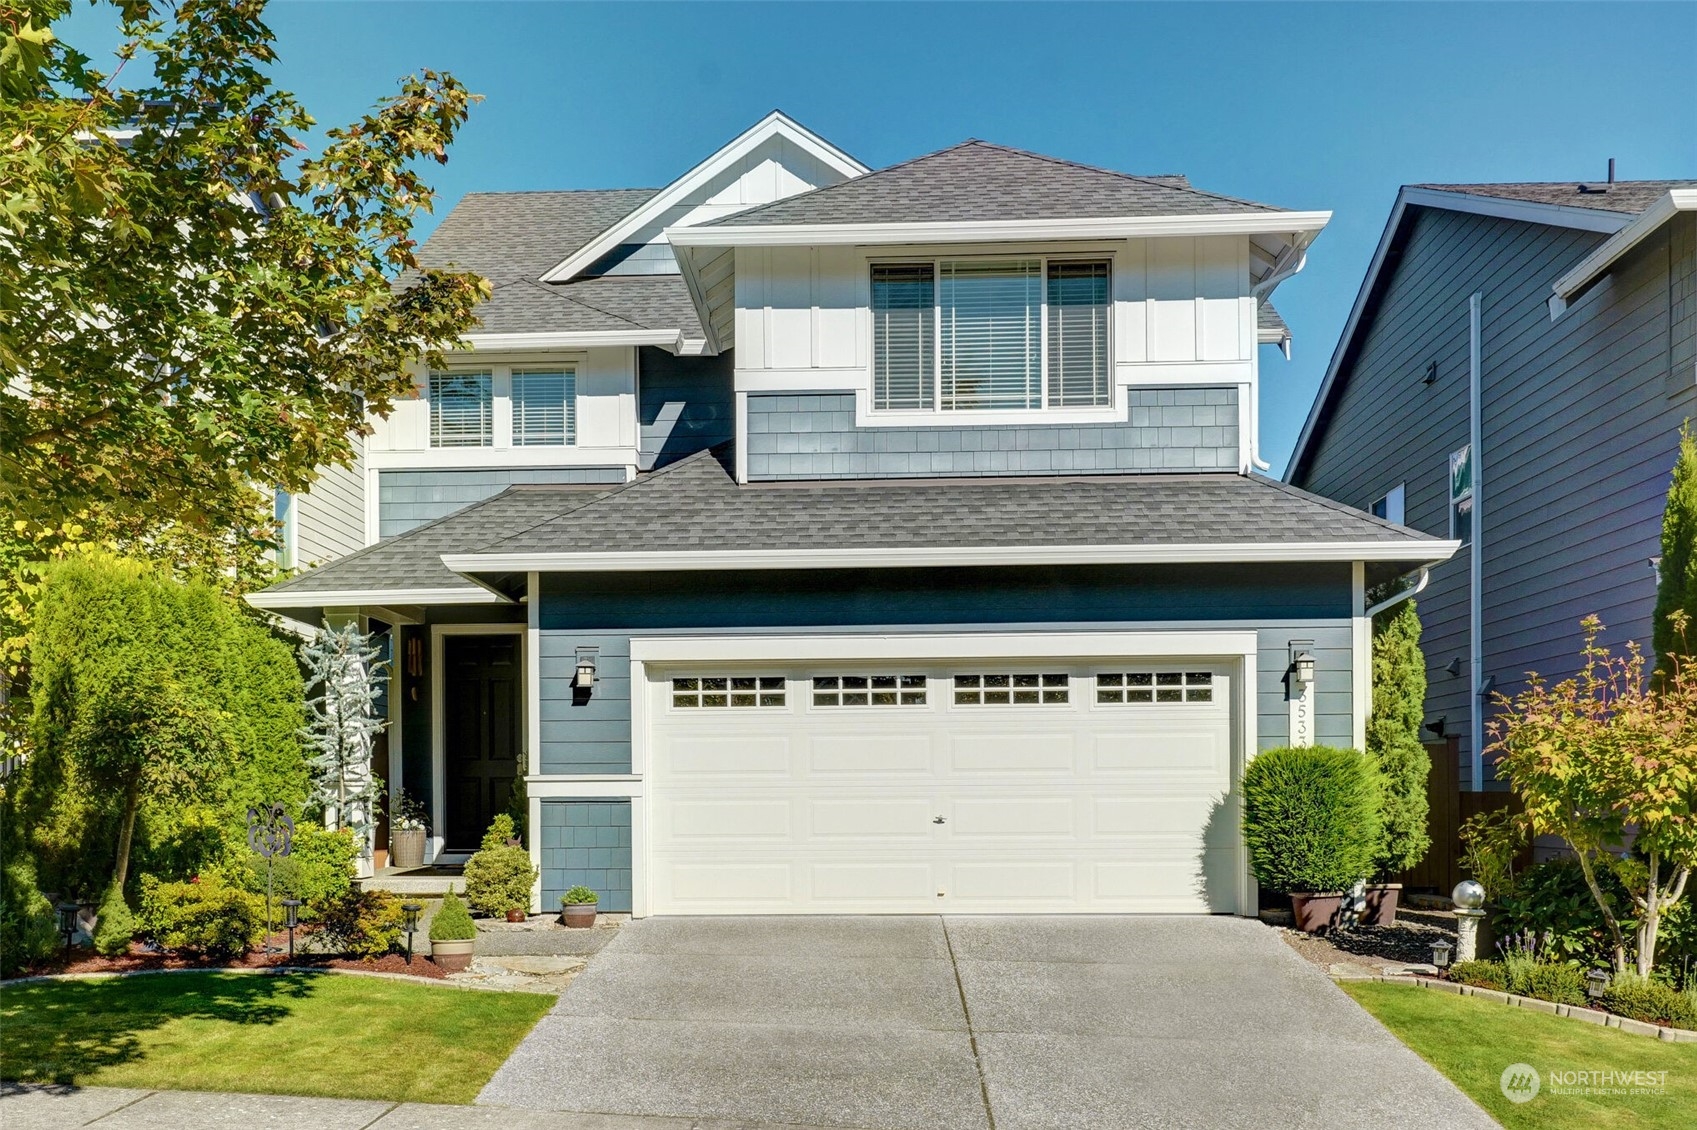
(768, 142)
(978, 180)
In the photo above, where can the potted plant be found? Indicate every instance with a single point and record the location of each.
(1311, 824)
(453, 937)
(578, 906)
(407, 833)
(500, 877)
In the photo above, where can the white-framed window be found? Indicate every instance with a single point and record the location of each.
(1389, 505)
(1461, 495)
(963, 335)
(869, 690)
(727, 691)
(1138, 687)
(544, 407)
(462, 409)
(1012, 689)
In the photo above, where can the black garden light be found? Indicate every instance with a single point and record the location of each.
(68, 923)
(291, 919)
(411, 911)
(1596, 984)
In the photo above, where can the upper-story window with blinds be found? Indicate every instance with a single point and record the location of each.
(977, 334)
(544, 407)
(462, 409)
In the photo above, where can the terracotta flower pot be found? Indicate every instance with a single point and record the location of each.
(1316, 913)
(517, 915)
(406, 847)
(1381, 902)
(580, 915)
(453, 956)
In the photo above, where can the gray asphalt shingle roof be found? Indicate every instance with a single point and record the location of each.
(1631, 196)
(977, 180)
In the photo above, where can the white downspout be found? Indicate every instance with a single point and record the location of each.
(1476, 559)
(1295, 257)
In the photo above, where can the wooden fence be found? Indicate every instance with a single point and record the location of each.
(1441, 870)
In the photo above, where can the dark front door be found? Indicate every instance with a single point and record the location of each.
(480, 685)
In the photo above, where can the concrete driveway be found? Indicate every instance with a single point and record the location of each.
(926, 1023)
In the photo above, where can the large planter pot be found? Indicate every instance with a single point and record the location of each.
(579, 915)
(1316, 913)
(453, 956)
(1380, 906)
(406, 848)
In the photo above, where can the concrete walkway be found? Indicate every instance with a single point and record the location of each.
(925, 1023)
(111, 1108)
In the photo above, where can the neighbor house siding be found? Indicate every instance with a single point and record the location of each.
(587, 842)
(406, 499)
(1580, 419)
(1282, 603)
(813, 436)
(330, 517)
(685, 404)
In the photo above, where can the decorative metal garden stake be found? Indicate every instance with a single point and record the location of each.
(270, 833)
(291, 919)
(411, 910)
(68, 924)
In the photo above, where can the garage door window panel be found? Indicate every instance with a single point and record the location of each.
(727, 691)
(869, 690)
(1154, 688)
(1012, 689)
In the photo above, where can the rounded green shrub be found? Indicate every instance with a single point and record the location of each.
(1645, 998)
(1482, 974)
(579, 896)
(29, 928)
(115, 926)
(499, 879)
(206, 917)
(452, 923)
(362, 923)
(1556, 981)
(1311, 818)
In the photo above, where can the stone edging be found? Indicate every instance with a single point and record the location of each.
(1575, 1012)
(268, 971)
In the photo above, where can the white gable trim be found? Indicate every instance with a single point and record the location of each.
(1555, 215)
(1677, 200)
(775, 124)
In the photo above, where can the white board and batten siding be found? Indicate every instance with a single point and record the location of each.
(1082, 802)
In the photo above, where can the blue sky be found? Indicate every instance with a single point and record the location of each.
(1311, 106)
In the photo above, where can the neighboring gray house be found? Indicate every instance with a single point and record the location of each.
(1586, 364)
(810, 539)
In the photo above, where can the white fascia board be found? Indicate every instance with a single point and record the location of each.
(997, 231)
(1555, 215)
(348, 598)
(772, 125)
(944, 556)
(698, 297)
(924, 646)
(1676, 201)
(671, 340)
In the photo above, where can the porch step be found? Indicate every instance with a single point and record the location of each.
(430, 882)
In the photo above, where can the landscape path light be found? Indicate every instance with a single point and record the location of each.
(411, 911)
(291, 919)
(68, 912)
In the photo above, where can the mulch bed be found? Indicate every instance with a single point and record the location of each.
(142, 960)
(1380, 947)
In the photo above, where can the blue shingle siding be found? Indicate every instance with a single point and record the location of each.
(406, 499)
(813, 436)
(586, 843)
(1280, 602)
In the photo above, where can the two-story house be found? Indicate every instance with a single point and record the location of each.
(1514, 375)
(861, 541)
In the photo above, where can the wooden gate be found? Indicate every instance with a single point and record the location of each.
(1441, 870)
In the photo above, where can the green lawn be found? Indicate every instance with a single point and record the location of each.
(1472, 1041)
(302, 1034)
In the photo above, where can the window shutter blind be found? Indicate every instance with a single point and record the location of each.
(461, 410)
(992, 335)
(544, 407)
(903, 309)
(1078, 334)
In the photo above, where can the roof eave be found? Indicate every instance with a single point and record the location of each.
(991, 231)
(669, 339)
(1594, 265)
(1413, 551)
(280, 600)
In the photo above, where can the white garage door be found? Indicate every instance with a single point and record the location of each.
(1043, 786)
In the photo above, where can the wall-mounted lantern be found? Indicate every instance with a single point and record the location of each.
(1302, 668)
(584, 678)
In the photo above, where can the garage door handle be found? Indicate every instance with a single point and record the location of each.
(937, 820)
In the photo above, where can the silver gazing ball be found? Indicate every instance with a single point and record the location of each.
(1468, 895)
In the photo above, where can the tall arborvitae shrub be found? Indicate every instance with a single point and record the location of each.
(159, 714)
(1393, 739)
(1676, 586)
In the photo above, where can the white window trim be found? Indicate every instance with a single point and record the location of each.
(866, 415)
(501, 411)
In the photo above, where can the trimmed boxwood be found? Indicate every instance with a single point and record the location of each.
(1311, 818)
(452, 922)
(1481, 974)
